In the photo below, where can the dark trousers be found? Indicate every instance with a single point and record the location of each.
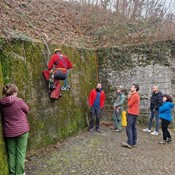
(94, 112)
(131, 129)
(165, 131)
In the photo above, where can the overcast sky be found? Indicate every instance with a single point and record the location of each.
(172, 5)
(167, 2)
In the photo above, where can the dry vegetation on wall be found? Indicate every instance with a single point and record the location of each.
(88, 23)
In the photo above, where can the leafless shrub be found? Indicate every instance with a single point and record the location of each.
(91, 23)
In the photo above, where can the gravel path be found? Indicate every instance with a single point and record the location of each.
(101, 154)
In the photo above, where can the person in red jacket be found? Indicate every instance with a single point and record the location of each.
(16, 128)
(57, 70)
(96, 103)
(133, 112)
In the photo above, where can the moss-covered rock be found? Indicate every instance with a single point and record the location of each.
(3, 156)
(22, 62)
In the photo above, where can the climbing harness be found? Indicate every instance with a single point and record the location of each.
(57, 73)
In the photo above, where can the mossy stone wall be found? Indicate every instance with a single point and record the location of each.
(3, 156)
(146, 65)
(22, 62)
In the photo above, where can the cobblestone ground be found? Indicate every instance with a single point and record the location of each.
(101, 154)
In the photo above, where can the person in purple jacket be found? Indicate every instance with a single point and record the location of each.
(16, 128)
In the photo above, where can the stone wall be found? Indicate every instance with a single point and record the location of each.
(146, 65)
(22, 62)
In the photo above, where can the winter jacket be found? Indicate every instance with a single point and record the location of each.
(133, 104)
(156, 100)
(165, 111)
(92, 97)
(119, 101)
(14, 110)
(63, 62)
(60, 61)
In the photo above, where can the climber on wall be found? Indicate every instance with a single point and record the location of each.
(57, 70)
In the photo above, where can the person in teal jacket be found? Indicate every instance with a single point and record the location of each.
(118, 108)
(165, 114)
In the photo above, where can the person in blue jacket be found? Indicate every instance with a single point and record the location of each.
(165, 114)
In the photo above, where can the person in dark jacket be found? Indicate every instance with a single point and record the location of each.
(16, 128)
(96, 103)
(155, 102)
(165, 114)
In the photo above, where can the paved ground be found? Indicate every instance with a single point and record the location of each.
(102, 154)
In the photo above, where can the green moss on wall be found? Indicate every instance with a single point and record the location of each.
(118, 59)
(3, 156)
(121, 57)
(22, 62)
(50, 121)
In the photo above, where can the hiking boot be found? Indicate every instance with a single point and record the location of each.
(126, 145)
(91, 130)
(169, 140)
(162, 142)
(155, 133)
(134, 146)
(98, 130)
(146, 130)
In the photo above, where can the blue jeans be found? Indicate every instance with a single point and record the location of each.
(66, 81)
(131, 130)
(95, 112)
(156, 114)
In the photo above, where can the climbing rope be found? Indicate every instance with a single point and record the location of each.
(45, 43)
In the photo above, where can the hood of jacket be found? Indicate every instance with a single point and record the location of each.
(171, 105)
(7, 101)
